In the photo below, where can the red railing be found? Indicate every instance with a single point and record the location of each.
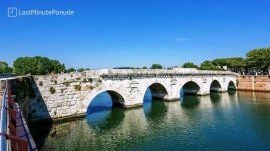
(16, 144)
(14, 122)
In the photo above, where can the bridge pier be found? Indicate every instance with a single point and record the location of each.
(172, 99)
(132, 105)
(172, 96)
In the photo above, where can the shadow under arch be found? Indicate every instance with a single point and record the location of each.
(158, 91)
(104, 112)
(215, 86)
(189, 87)
(116, 98)
(231, 86)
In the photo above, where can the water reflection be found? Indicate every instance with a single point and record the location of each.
(197, 123)
(190, 101)
(231, 92)
(40, 132)
(215, 97)
(101, 115)
(153, 109)
(104, 120)
(157, 110)
(147, 101)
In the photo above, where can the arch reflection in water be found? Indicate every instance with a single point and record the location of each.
(233, 124)
(215, 97)
(101, 114)
(154, 109)
(190, 101)
(231, 92)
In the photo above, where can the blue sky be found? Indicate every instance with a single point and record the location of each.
(137, 33)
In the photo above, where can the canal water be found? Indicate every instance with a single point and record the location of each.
(235, 120)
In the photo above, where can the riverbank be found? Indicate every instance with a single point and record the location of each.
(254, 83)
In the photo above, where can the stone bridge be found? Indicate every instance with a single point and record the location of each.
(69, 95)
(128, 87)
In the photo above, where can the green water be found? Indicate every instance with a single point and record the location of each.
(221, 121)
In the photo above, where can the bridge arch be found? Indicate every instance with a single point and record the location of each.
(157, 89)
(215, 86)
(117, 98)
(190, 87)
(231, 86)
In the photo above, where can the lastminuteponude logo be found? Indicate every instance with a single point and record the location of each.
(15, 12)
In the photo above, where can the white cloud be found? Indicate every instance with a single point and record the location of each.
(182, 39)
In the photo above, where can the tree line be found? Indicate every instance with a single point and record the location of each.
(257, 60)
(35, 65)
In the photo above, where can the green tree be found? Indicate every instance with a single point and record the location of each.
(189, 65)
(70, 70)
(4, 68)
(156, 66)
(57, 67)
(37, 65)
(258, 59)
(220, 62)
(80, 70)
(144, 67)
(235, 64)
(208, 65)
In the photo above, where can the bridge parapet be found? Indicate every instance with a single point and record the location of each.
(127, 73)
(159, 71)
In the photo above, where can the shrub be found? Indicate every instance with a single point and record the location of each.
(40, 83)
(52, 90)
(66, 84)
(89, 87)
(77, 87)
